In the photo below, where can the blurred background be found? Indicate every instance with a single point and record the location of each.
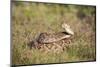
(29, 19)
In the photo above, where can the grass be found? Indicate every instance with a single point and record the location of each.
(30, 19)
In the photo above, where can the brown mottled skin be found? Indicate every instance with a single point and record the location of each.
(51, 38)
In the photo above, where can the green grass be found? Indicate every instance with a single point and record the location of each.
(30, 19)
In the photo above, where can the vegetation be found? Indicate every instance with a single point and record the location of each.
(30, 19)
